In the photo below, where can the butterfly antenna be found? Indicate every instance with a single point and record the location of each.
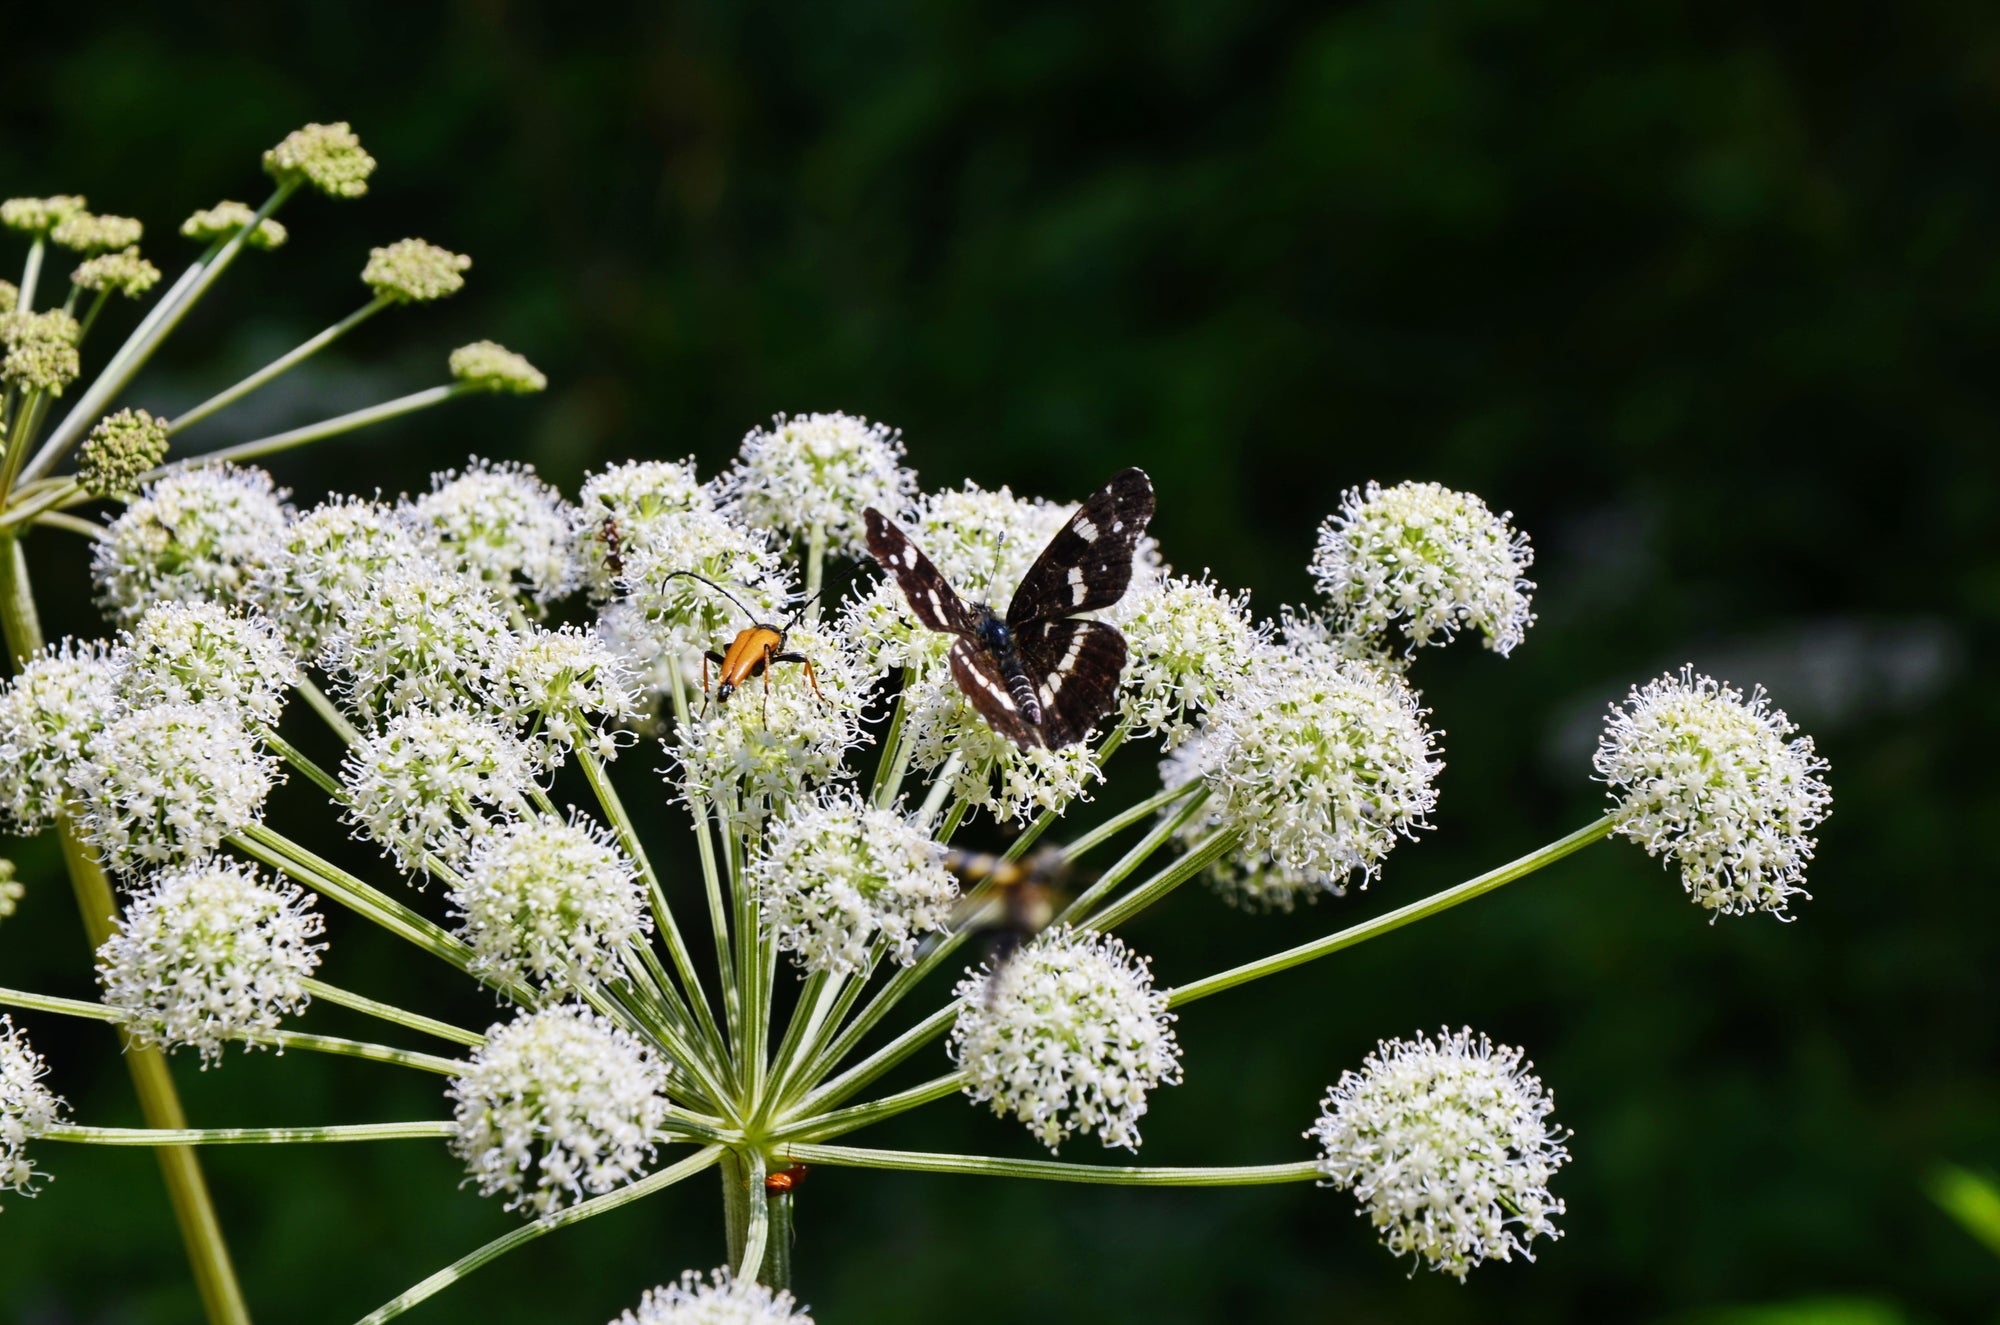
(713, 585)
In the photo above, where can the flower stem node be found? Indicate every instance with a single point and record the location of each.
(27, 1108)
(491, 366)
(121, 449)
(1716, 781)
(207, 954)
(327, 156)
(1067, 1035)
(224, 219)
(204, 534)
(719, 1300)
(38, 216)
(1447, 1146)
(557, 1105)
(411, 271)
(123, 271)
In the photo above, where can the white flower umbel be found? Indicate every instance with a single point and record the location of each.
(776, 737)
(27, 1108)
(433, 780)
(567, 687)
(1716, 781)
(1427, 559)
(719, 1300)
(200, 535)
(191, 653)
(1321, 764)
(558, 1105)
(419, 636)
(1188, 645)
(684, 616)
(1448, 1148)
(617, 510)
(49, 715)
(503, 525)
(331, 559)
(1068, 1035)
(208, 954)
(169, 783)
(819, 472)
(545, 898)
(839, 878)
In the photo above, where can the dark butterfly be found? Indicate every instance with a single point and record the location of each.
(1039, 676)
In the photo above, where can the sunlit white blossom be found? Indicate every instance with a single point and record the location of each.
(1718, 782)
(169, 783)
(420, 635)
(207, 954)
(434, 780)
(201, 534)
(558, 1105)
(1188, 645)
(1068, 1035)
(721, 1299)
(502, 525)
(191, 653)
(28, 1108)
(566, 687)
(617, 511)
(330, 560)
(548, 898)
(1447, 1146)
(992, 773)
(49, 714)
(686, 617)
(818, 472)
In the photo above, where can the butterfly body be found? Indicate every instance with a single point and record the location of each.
(1038, 675)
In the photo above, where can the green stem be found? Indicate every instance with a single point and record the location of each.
(894, 764)
(394, 1015)
(711, 875)
(1203, 854)
(378, 1053)
(31, 275)
(1128, 863)
(55, 520)
(749, 1261)
(1429, 906)
(318, 432)
(841, 1121)
(500, 1246)
(90, 315)
(1118, 823)
(1250, 1175)
(194, 1211)
(249, 1136)
(280, 365)
(329, 712)
(873, 1066)
(815, 570)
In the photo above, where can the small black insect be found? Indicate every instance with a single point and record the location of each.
(1039, 676)
(614, 547)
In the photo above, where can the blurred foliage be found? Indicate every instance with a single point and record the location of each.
(1705, 294)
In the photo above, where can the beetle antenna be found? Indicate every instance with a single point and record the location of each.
(713, 585)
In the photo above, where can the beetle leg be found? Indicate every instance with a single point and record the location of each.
(811, 679)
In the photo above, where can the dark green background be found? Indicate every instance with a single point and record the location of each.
(1704, 294)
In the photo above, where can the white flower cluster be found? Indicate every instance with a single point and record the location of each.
(819, 472)
(27, 1108)
(1427, 559)
(720, 1300)
(558, 1105)
(330, 562)
(169, 783)
(1716, 781)
(207, 954)
(1067, 1035)
(193, 653)
(49, 715)
(567, 687)
(632, 505)
(422, 636)
(1189, 645)
(503, 525)
(840, 880)
(1448, 1148)
(543, 898)
(1320, 764)
(201, 535)
(433, 781)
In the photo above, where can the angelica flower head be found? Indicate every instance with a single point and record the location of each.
(37, 216)
(1427, 559)
(1319, 764)
(556, 1106)
(722, 1299)
(545, 898)
(433, 781)
(818, 472)
(780, 734)
(1188, 645)
(210, 953)
(124, 271)
(327, 156)
(685, 616)
(192, 653)
(617, 510)
(1447, 1147)
(567, 687)
(87, 232)
(420, 635)
(10, 297)
(331, 561)
(49, 714)
(490, 366)
(28, 1108)
(503, 525)
(840, 879)
(411, 271)
(225, 218)
(200, 534)
(121, 449)
(1067, 1035)
(41, 350)
(1716, 781)
(167, 784)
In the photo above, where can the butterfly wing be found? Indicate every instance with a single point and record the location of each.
(930, 596)
(1074, 666)
(1088, 564)
(979, 677)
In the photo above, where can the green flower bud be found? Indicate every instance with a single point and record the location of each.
(410, 271)
(491, 366)
(225, 219)
(124, 271)
(327, 156)
(120, 449)
(89, 233)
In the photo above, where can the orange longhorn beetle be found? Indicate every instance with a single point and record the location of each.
(753, 650)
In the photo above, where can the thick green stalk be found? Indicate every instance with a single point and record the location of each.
(392, 1014)
(249, 1136)
(913, 1161)
(280, 365)
(841, 1121)
(201, 1231)
(319, 432)
(31, 275)
(1401, 916)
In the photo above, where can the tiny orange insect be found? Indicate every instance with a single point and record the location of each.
(785, 1179)
(752, 652)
